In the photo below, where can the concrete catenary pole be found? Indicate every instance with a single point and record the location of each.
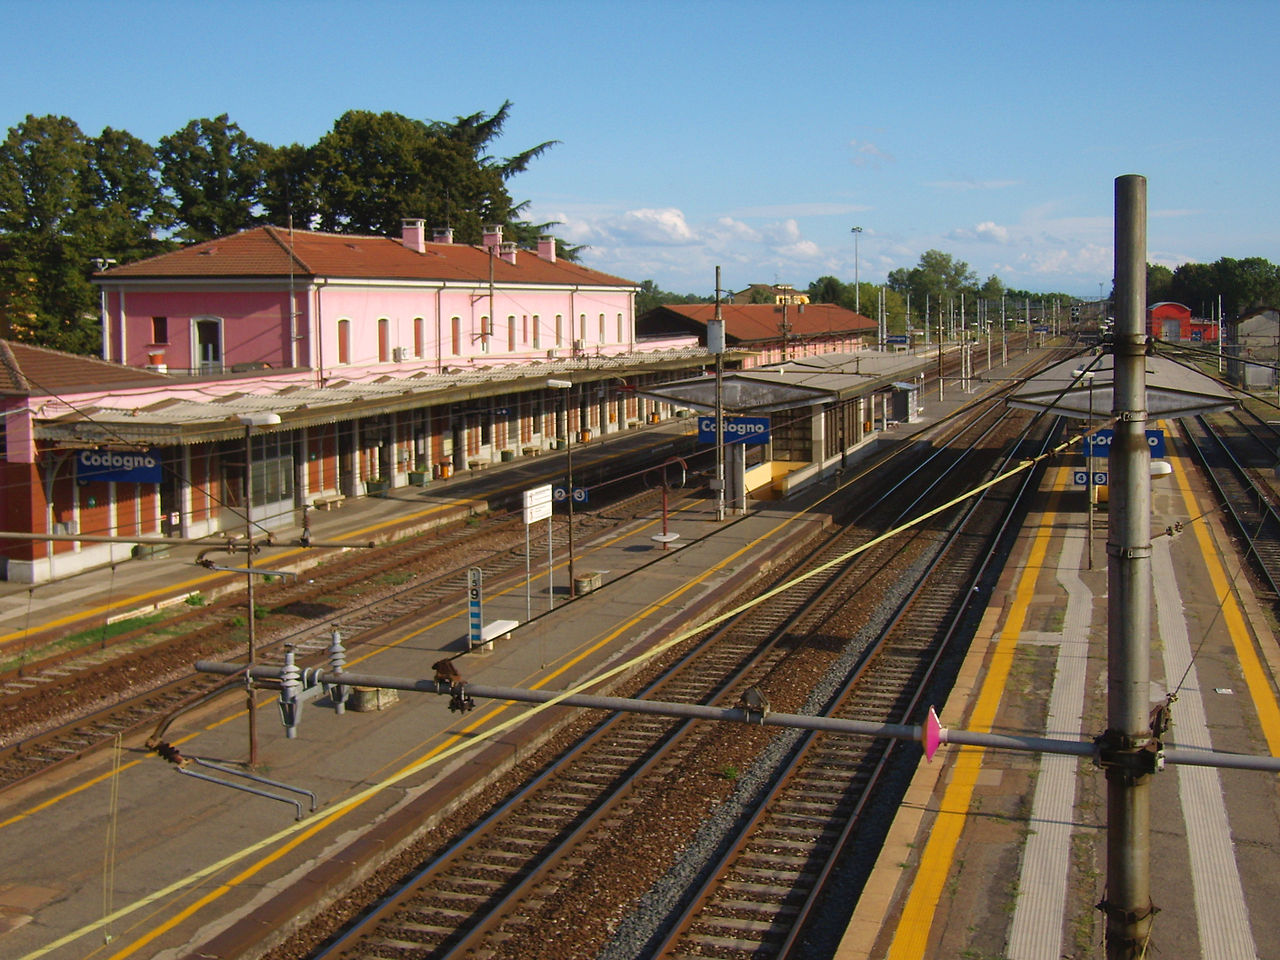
(1127, 904)
(716, 340)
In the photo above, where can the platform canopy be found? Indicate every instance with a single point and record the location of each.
(791, 384)
(1173, 390)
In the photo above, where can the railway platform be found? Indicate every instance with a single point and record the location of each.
(1003, 854)
(120, 857)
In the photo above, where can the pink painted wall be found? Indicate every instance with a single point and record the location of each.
(255, 326)
(437, 307)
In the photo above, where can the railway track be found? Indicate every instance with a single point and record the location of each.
(768, 896)
(561, 854)
(1230, 452)
(147, 676)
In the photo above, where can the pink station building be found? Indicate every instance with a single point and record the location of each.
(347, 363)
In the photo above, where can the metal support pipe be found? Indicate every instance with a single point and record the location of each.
(1127, 903)
(893, 731)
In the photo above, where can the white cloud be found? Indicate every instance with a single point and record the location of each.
(992, 232)
(867, 154)
(664, 227)
(986, 232)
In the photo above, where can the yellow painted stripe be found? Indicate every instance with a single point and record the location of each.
(458, 743)
(1255, 675)
(132, 601)
(296, 833)
(911, 938)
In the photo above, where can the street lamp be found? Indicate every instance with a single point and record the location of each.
(251, 420)
(857, 292)
(567, 386)
(1087, 375)
(102, 263)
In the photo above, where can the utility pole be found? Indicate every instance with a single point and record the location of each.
(857, 284)
(1127, 903)
(715, 342)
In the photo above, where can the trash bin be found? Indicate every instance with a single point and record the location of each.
(586, 582)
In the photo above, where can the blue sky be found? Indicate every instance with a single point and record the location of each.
(750, 135)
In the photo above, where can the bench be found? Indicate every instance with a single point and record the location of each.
(328, 503)
(497, 630)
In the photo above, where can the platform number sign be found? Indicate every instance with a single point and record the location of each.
(475, 597)
(1081, 478)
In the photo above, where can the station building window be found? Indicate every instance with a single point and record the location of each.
(159, 329)
(344, 341)
(271, 479)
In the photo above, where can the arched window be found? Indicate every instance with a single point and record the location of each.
(457, 336)
(384, 339)
(208, 344)
(419, 337)
(344, 341)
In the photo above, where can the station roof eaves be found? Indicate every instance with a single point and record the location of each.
(1173, 390)
(199, 415)
(793, 383)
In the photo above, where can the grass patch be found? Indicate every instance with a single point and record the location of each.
(84, 639)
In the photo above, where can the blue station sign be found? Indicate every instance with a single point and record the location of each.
(119, 466)
(1099, 444)
(744, 430)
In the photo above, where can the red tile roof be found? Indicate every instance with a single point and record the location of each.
(760, 321)
(26, 370)
(274, 252)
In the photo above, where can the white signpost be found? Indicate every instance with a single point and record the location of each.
(537, 506)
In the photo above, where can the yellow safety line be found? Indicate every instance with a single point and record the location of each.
(458, 743)
(911, 938)
(302, 831)
(1255, 675)
(354, 536)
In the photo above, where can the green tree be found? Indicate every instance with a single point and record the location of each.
(938, 277)
(828, 289)
(47, 233)
(122, 187)
(374, 169)
(215, 174)
(289, 186)
(1159, 283)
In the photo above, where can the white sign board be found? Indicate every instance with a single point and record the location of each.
(537, 504)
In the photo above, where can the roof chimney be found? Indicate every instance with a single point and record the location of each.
(413, 234)
(507, 251)
(547, 247)
(442, 235)
(492, 238)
